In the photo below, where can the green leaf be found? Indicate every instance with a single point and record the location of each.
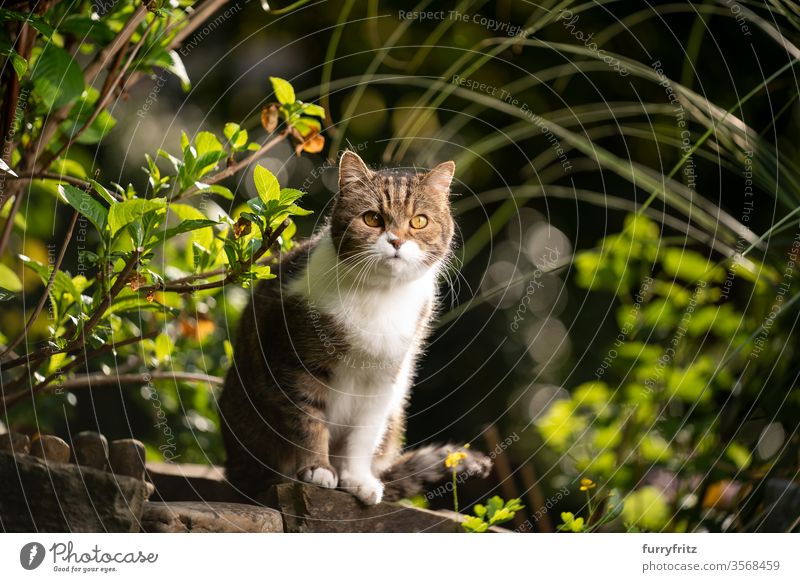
(36, 21)
(307, 125)
(57, 78)
(739, 455)
(103, 192)
(193, 216)
(68, 167)
(185, 226)
(62, 283)
(85, 204)
(221, 190)
(647, 508)
(124, 213)
(690, 266)
(290, 195)
(206, 142)
(295, 210)
(177, 68)
(261, 272)
(84, 27)
(284, 92)
(266, 184)
(474, 524)
(313, 110)
(236, 135)
(9, 279)
(97, 130)
(17, 61)
(164, 348)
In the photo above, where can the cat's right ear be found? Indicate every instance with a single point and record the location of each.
(352, 170)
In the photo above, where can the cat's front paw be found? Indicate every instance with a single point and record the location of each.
(319, 475)
(367, 488)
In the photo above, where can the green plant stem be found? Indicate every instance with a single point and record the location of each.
(289, 8)
(455, 491)
(186, 286)
(91, 380)
(233, 168)
(11, 399)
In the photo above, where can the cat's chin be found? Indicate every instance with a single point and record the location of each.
(399, 269)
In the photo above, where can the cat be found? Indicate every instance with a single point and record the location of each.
(326, 354)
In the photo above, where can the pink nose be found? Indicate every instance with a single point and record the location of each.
(397, 243)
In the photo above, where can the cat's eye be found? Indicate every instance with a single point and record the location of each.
(373, 219)
(419, 221)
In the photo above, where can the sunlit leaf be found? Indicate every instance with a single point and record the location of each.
(266, 184)
(284, 91)
(85, 204)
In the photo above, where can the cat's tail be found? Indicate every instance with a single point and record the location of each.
(415, 470)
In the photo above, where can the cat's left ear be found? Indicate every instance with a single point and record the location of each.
(440, 178)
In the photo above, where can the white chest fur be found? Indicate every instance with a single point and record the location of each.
(380, 319)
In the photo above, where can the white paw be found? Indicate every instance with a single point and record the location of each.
(319, 476)
(366, 488)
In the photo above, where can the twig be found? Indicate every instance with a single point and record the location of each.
(28, 176)
(119, 285)
(91, 380)
(232, 169)
(196, 20)
(8, 227)
(90, 73)
(47, 288)
(16, 396)
(120, 41)
(113, 79)
(185, 286)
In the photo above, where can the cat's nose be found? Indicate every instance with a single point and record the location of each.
(394, 240)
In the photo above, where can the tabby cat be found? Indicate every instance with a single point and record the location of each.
(326, 354)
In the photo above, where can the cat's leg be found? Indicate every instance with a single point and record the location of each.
(391, 444)
(305, 419)
(366, 437)
(355, 464)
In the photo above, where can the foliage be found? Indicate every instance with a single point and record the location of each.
(495, 512)
(152, 258)
(683, 354)
(541, 122)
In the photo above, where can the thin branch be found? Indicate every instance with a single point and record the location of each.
(16, 396)
(119, 43)
(92, 380)
(113, 79)
(119, 285)
(233, 168)
(46, 293)
(90, 73)
(8, 227)
(196, 19)
(28, 176)
(179, 286)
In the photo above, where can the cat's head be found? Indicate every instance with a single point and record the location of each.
(396, 221)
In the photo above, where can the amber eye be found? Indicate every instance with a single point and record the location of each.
(373, 219)
(419, 221)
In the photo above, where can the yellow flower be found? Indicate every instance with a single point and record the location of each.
(454, 459)
(587, 484)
